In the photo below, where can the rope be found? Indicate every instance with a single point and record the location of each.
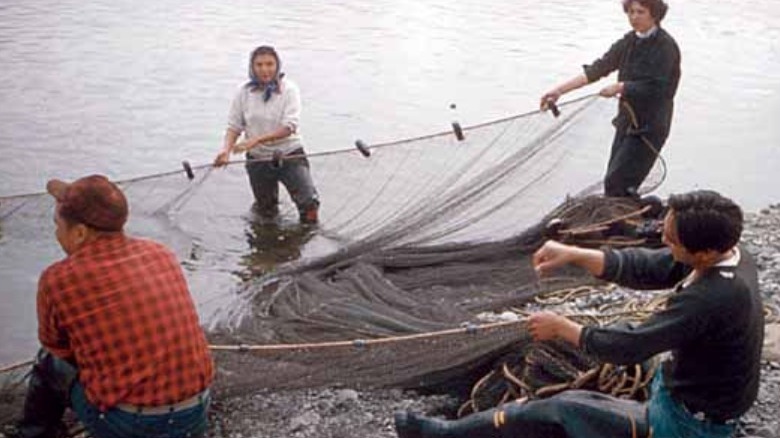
(630, 309)
(619, 381)
(603, 225)
(16, 366)
(561, 296)
(335, 151)
(544, 362)
(647, 142)
(357, 343)
(470, 329)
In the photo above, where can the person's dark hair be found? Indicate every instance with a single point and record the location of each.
(657, 8)
(706, 220)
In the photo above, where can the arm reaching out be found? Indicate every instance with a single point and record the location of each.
(545, 326)
(556, 93)
(554, 255)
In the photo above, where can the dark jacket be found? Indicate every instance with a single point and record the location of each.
(714, 328)
(650, 69)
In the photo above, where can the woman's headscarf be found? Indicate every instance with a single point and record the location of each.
(255, 83)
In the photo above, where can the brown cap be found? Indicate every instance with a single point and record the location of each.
(93, 201)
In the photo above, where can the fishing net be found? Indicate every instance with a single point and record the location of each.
(416, 238)
(540, 370)
(12, 386)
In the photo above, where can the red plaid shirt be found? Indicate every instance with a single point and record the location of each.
(120, 308)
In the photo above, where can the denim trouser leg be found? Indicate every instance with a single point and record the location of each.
(47, 395)
(669, 419)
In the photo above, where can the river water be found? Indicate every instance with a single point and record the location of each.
(128, 88)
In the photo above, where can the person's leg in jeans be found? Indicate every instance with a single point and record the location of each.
(669, 418)
(570, 413)
(295, 174)
(504, 421)
(264, 179)
(47, 395)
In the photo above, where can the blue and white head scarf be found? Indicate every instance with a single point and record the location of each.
(254, 82)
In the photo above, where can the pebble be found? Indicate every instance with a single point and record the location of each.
(306, 419)
(345, 396)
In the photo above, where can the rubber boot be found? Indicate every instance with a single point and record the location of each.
(47, 396)
(503, 422)
(311, 215)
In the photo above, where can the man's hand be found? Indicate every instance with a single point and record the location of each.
(545, 326)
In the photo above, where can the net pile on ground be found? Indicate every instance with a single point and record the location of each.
(415, 291)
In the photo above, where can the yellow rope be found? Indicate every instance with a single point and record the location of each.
(603, 225)
(16, 366)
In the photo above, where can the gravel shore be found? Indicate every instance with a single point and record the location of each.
(347, 413)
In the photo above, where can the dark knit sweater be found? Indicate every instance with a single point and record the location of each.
(650, 70)
(713, 327)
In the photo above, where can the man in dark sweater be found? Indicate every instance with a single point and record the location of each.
(713, 326)
(648, 63)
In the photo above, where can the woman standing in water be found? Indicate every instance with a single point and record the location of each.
(267, 111)
(648, 63)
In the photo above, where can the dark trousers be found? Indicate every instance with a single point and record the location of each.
(630, 161)
(294, 174)
(572, 414)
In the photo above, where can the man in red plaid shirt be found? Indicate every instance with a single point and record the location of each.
(122, 345)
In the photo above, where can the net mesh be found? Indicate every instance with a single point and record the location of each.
(414, 241)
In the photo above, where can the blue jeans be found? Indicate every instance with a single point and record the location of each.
(54, 386)
(669, 419)
(116, 423)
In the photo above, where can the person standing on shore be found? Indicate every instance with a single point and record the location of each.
(648, 62)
